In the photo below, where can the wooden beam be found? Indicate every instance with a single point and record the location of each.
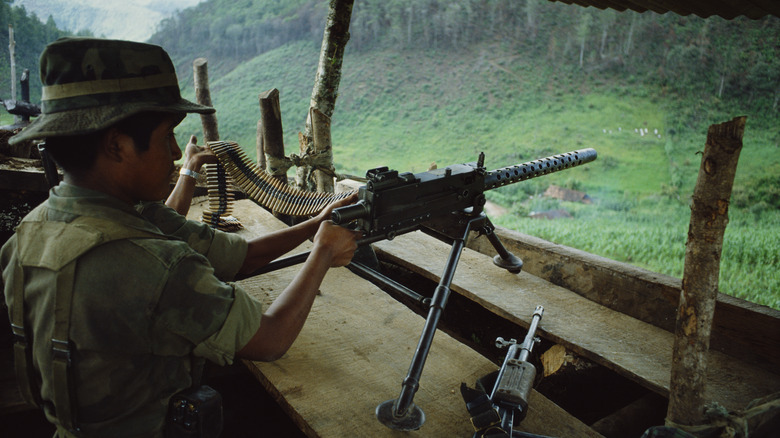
(741, 328)
(23, 174)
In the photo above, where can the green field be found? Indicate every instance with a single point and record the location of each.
(652, 235)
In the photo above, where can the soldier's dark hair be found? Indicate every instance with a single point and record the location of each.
(77, 153)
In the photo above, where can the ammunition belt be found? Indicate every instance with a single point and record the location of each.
(261, 187)
(220, 197)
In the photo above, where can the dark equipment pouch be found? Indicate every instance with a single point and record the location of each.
(194, 413)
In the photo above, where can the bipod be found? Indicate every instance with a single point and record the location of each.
(401, 413)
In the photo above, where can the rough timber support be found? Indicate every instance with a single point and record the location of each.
(696, 309)
(326, 82)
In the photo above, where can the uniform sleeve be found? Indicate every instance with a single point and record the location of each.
(226, 252)
(218, 318)
(241, 324)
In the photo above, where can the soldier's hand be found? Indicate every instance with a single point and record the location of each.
(339, 243)
(196, 156)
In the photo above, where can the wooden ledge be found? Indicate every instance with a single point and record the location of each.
(740, 328)
(354, 352)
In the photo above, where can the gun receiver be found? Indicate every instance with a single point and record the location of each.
(392, 203)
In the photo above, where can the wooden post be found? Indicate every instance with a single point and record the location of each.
(709, 216)
(272, 134)
(220, 203)
(12, 54)
(321, 145)
(328, 77)
(259, 148)
(24, 81)
(203, 97)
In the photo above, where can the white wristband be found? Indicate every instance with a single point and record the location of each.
(190, 173)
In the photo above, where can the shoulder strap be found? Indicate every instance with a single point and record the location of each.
(23, 367)
(57, 246)
(63, 394)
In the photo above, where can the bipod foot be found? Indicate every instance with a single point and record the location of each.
(511, 263)
(412, 419)
(504, 259)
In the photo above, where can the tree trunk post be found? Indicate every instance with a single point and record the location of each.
(709, 217)
(24, 82)
(320, 127)
(203, 97)
(272, 135)
(12, 57)
(259, 148)
(220, 202)
(328, 77)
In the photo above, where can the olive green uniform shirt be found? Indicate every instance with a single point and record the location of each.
(142, 307)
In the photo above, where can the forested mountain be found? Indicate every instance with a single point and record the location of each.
(727, 59)
(31, 36)
(715, 57)
(471, 53)
(107, 18)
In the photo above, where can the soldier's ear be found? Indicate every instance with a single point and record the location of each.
(116, 145)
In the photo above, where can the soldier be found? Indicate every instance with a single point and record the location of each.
(115, 299)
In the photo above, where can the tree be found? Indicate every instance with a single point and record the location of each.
(583, 30)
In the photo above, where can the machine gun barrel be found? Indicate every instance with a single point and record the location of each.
(532, 169)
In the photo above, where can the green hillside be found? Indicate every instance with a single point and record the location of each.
(440, 81)
(395, 110)
(405, 107)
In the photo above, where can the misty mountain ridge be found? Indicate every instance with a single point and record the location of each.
(134, 20)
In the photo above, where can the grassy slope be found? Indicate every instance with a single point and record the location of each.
(406, 110)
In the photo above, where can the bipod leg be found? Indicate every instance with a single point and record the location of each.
(402, 413)
(504, 259)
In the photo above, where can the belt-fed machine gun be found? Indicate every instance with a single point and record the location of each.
(447, 203)
(441, 201)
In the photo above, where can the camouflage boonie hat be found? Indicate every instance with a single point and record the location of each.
(89, 84)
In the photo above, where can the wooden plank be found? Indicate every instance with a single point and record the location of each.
(634, 349)
(23, 174)
(353, 354)
(740, 328)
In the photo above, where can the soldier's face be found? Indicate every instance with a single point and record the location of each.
(155, 165)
